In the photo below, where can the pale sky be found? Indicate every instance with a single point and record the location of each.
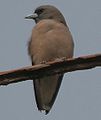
(79, 97)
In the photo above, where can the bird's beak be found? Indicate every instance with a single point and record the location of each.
(34, 16)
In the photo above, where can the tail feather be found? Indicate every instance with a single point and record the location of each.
(46, 90)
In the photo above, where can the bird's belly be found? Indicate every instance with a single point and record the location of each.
(49, 52)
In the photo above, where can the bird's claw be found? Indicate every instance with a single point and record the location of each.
(43, 62)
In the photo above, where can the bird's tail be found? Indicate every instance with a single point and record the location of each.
(46, 90)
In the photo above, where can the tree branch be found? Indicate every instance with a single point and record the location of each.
(50, 68)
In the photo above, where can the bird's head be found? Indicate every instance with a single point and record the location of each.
(47, 12)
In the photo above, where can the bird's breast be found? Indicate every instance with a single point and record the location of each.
(50, 40)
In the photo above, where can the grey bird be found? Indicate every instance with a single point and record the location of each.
(50, 40)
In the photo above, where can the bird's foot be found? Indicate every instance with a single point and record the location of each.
(60, 59)
(43, 62)
(63, 58)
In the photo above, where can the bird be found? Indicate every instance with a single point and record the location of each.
(51, 39)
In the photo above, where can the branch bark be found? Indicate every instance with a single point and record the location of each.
(50, 68)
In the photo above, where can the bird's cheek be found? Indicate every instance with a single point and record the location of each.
(37, 19)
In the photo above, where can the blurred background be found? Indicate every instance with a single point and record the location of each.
(79, 97)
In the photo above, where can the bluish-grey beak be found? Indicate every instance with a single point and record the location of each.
(31, 16)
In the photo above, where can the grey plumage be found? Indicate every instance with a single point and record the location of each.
(50, 39)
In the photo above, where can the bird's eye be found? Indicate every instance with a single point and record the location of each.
(39, 11)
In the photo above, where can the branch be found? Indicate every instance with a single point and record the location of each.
(50, 68)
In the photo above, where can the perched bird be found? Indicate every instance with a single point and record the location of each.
(50, 40)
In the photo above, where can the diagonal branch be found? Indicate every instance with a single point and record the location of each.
(50, 68)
